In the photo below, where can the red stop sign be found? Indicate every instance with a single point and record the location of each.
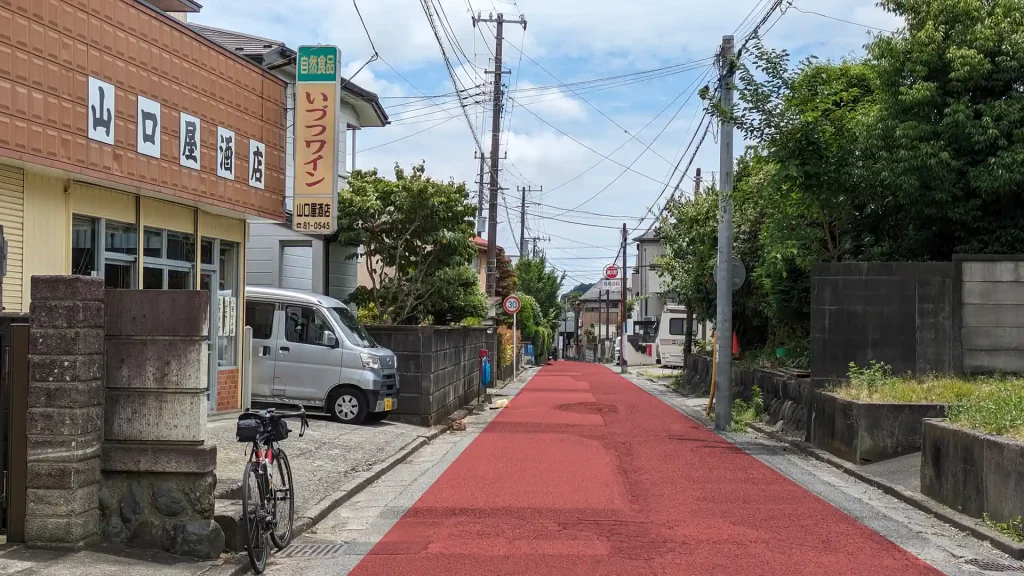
(611, 272)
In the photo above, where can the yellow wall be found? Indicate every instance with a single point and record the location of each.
(12, 218)
(102, 203)
(47, 230)
(213, 226)
(160, 214)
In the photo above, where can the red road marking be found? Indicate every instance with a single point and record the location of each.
(584, 473)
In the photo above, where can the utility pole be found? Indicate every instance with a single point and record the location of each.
(622, 307)
(688, 341)
(524, 245)
(492, 214)
(522, 221)
(607, 318)
(481, 223)
(723, 342)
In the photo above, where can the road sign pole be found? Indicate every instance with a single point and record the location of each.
(514, 346)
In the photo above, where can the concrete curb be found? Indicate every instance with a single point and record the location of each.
(965, 523)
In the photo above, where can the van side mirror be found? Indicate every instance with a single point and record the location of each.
(329, 339)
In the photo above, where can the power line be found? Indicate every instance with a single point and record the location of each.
(445, 121)
(798, 9)
(426, 4)
(648, 147)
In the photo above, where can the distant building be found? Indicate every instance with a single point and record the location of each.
(600, 307)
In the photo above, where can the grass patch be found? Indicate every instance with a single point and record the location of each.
(989, 404)
(743, 412)
(1014, 529)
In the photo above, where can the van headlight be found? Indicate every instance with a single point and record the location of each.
(370, 360)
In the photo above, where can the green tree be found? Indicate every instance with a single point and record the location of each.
(505, 281)
(949, 129)
(534, 278)
(415, 233)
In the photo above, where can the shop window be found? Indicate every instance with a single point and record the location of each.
(120, 238)
(153, 244)
(84, 257)
(181, 247)
(105, 249)
(152, 278)
(179, 280)
(206, 252)
(118, 276)
(227, 299)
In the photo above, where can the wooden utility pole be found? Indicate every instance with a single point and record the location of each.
(492, 214)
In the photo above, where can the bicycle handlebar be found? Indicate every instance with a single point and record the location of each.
(301, 415)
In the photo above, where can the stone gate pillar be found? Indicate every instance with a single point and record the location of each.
(158, 473)
(65, 411)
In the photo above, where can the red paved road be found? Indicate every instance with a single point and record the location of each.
(584, 473)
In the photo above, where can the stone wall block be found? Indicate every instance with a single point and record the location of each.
(64, 421)
(161, 313)
(66, 342)
(70, 532)
(51, 476)
(64, 503)
(176, 363)
(43, 369)
(152, 457)
(67, 288)
(65, 449)
(66, 314)
(155, 417)
(65, 394)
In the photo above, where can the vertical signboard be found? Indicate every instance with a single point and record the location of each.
(316, 140)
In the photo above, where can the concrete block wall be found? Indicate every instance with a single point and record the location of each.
(65, 411)
(991, 332)
(438, 368)
(898, 313)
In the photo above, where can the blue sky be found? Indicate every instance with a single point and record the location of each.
(573, 40)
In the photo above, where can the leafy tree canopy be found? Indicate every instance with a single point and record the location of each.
(415, 233)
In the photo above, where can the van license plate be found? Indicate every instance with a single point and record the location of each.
(387, 404)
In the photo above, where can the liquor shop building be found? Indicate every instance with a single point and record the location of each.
(135, 150)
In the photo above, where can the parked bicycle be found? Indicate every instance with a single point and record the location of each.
(268, 496)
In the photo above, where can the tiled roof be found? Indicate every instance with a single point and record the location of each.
(243, 44)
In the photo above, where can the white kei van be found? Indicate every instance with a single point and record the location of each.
(311, 350)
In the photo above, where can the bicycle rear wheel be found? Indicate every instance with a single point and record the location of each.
(284, 501)
(254, 517)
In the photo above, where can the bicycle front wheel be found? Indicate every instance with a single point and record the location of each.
(284, 501)
(254, 517)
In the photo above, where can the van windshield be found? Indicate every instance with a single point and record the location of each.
(353, 330)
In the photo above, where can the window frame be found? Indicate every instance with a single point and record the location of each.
(102, 256)
(682, 326)
(316, 312)
(273, 314)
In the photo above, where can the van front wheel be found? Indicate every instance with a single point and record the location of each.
(348, 406)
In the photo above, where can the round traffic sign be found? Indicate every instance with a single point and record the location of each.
(512, 304)
(611, 272)
(739, 273)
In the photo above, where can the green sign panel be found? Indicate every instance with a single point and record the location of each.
(318, 64)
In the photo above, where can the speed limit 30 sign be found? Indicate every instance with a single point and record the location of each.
(512, 304)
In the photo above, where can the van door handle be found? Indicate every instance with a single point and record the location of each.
(284, 350)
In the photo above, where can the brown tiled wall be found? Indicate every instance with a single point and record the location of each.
(49, 48)
(227, 390)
